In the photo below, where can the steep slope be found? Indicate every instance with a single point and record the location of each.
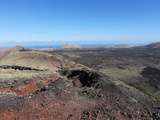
(135, 71)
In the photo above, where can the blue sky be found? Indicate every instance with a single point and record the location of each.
(88, 21)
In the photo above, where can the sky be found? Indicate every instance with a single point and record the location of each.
(47, 22)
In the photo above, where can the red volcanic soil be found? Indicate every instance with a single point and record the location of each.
(43, 107)
(29, 86)
(64, 104)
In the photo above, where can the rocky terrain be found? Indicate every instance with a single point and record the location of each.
(81, 84)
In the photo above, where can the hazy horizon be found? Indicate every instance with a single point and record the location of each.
(60, 44)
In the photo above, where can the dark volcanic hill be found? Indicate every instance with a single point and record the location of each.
(153, 45)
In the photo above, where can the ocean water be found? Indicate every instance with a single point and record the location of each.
(81, 45)
(56, 45)
(59, 44)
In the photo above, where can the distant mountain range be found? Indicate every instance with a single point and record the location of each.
(155, 45)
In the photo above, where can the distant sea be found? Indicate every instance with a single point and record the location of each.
(58, 46)
(61, 46)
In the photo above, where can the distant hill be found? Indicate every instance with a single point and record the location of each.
(153, 45)
(71, 46)
(20, 56)
(122, 46)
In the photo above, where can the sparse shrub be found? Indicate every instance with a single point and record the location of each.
(64, 71)
(40, 84)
